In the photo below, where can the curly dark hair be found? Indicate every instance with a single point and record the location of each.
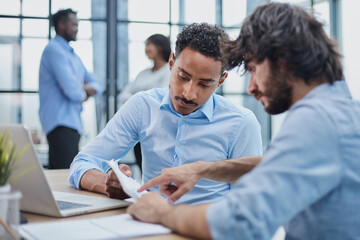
(61, 15)
(285, 32)
(201, 37)
(163, 42)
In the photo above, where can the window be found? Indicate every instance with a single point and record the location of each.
(22, 42)
(350, 38)
(28, 31)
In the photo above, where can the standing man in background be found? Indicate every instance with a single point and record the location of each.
(64, 84)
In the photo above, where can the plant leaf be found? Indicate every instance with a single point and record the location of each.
(9, 157)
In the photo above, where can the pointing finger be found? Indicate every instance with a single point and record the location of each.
(152, 183)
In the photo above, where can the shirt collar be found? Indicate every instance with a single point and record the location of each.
(64, 43)
(207, 110)
(338, 87)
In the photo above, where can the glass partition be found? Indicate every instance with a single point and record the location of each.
(28, 31)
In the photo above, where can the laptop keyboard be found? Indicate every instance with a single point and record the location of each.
(63, 205)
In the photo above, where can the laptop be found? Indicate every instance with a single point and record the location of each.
(37, 196)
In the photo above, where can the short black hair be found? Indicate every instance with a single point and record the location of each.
(163, 42)
(61, 15)
(286, 34)
(202, 37)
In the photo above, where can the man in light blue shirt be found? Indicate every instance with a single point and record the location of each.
(182, 124)
(64, 84)
(309, 177)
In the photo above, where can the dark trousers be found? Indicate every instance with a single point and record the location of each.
(63, 147)
(137, 153)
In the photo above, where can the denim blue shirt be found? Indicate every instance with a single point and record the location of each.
(61, 79)
(309, 179)
(216, 131)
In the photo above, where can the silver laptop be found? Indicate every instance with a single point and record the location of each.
(37, 196)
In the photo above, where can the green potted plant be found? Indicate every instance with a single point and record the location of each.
(9, 158)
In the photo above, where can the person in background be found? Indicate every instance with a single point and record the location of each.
(157, 49)
(64, 84)
(309, 177)
(180, 124)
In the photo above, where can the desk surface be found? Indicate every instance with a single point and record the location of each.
(58, 181)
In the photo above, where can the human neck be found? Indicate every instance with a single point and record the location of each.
(63, 36)
(301, 89)
(158, 63)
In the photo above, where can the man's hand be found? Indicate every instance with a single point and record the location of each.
(90, 91)
(150, 207)
(184, 219)
(113, 187)
(175, 182)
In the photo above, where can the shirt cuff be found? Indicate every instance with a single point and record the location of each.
(224, 222)
(78, 170)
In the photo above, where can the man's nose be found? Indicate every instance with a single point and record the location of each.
(252, 87)
(190, 91)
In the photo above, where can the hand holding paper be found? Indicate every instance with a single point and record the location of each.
(129, 185)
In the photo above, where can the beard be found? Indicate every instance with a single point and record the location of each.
(68, 36)
(278, 92)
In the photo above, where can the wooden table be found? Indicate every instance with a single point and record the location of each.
(58, 181)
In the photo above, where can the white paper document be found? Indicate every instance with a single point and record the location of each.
(129, 185)
(113, 227)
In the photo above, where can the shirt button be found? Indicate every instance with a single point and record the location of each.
(184, 118)
(178, 144)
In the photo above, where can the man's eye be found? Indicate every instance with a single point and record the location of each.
(204, 85)
(181, 77)
(251, 69)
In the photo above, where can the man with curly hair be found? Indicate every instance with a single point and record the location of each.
(309, 177)
(184, 123)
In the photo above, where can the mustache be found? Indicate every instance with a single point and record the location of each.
(257, 94)
(186, 101)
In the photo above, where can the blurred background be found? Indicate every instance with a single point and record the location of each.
(111, 42)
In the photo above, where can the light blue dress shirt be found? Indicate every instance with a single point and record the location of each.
(61, 79)
(216, 131)
(309, 179)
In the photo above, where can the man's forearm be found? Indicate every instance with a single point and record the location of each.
(94, 180)
(188, 220)
(227, 170)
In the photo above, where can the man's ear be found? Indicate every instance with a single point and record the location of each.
(61, 26)
(171, 60)
(222, 78)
